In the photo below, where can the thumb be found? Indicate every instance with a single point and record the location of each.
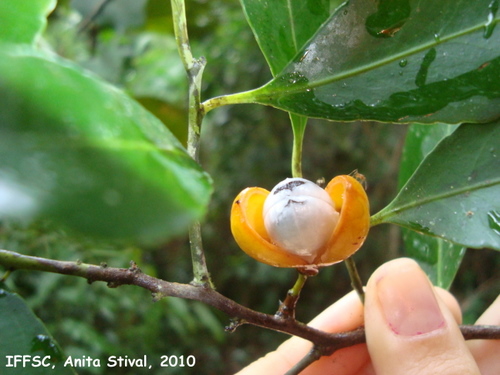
(409, 329)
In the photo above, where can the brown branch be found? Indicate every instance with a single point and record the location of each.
(314, 354)
(161, 288)
(324, 343)
(98, 9)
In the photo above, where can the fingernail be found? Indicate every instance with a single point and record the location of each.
(408, 302)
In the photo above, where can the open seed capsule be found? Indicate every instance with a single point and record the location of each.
(298, 224)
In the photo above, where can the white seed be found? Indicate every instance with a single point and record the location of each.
(299, 216)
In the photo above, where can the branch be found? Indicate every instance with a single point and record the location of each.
(356, 282)
(98, 9)
(194, 70)
(325, 343)
(311, 357)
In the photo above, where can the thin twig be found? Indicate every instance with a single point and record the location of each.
(330, 342)
(356, 282)
(287, 307)
(200, 268)
(469, 332)
(194, 69)
(357, 336)
(311, 357)
(98, 9)
(116, 277)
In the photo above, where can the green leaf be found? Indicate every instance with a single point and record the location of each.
(454, 192)
(420, 141)
(396, 61)
(158, 71)
(440, 259)
(296, 22)
(82, 153)
(22, 333)
(23, 21)
(282, 27)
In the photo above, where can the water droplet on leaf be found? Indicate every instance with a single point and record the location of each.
(45, 344)
(494, 221)
(490, 23)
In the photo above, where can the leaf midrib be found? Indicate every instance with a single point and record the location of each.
(431, 198)
(354, 72)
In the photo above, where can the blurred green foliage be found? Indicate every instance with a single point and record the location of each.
(131, 44)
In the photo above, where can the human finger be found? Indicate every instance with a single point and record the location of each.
(409, 329)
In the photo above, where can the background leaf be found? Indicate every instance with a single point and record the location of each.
(439, 258)
(23, 21)
(454, 192)
(96, 162)
(395, 61)
(282, 27)
(24, 334)
(120, 14)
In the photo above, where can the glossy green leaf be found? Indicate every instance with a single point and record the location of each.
(158, 71)
(420, 141)
(439, 258)
(81, 152)
(22, 333)
(23, 21)
(282, 27)
(454, 192)
(396, 61)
